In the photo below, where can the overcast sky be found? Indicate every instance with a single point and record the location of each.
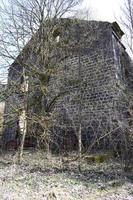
(105, 10)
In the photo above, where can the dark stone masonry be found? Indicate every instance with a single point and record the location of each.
(91, 77)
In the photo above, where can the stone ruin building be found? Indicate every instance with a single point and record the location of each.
(91, 77)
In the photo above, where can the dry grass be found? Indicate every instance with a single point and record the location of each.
(42, 178)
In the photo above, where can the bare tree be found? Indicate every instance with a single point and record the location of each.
(127, 22)
(36, 21)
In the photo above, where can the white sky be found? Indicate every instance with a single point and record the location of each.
(105, 10)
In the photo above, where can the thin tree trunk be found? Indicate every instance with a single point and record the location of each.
(22, 143)
(80, 115)
(79, 147)
(79, 142)
(24, 118)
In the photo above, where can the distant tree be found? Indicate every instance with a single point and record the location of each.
(85, 14)
(127, 21)
(127, 144)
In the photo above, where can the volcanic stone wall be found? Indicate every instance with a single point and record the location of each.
(87, 79)
(91, 77)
